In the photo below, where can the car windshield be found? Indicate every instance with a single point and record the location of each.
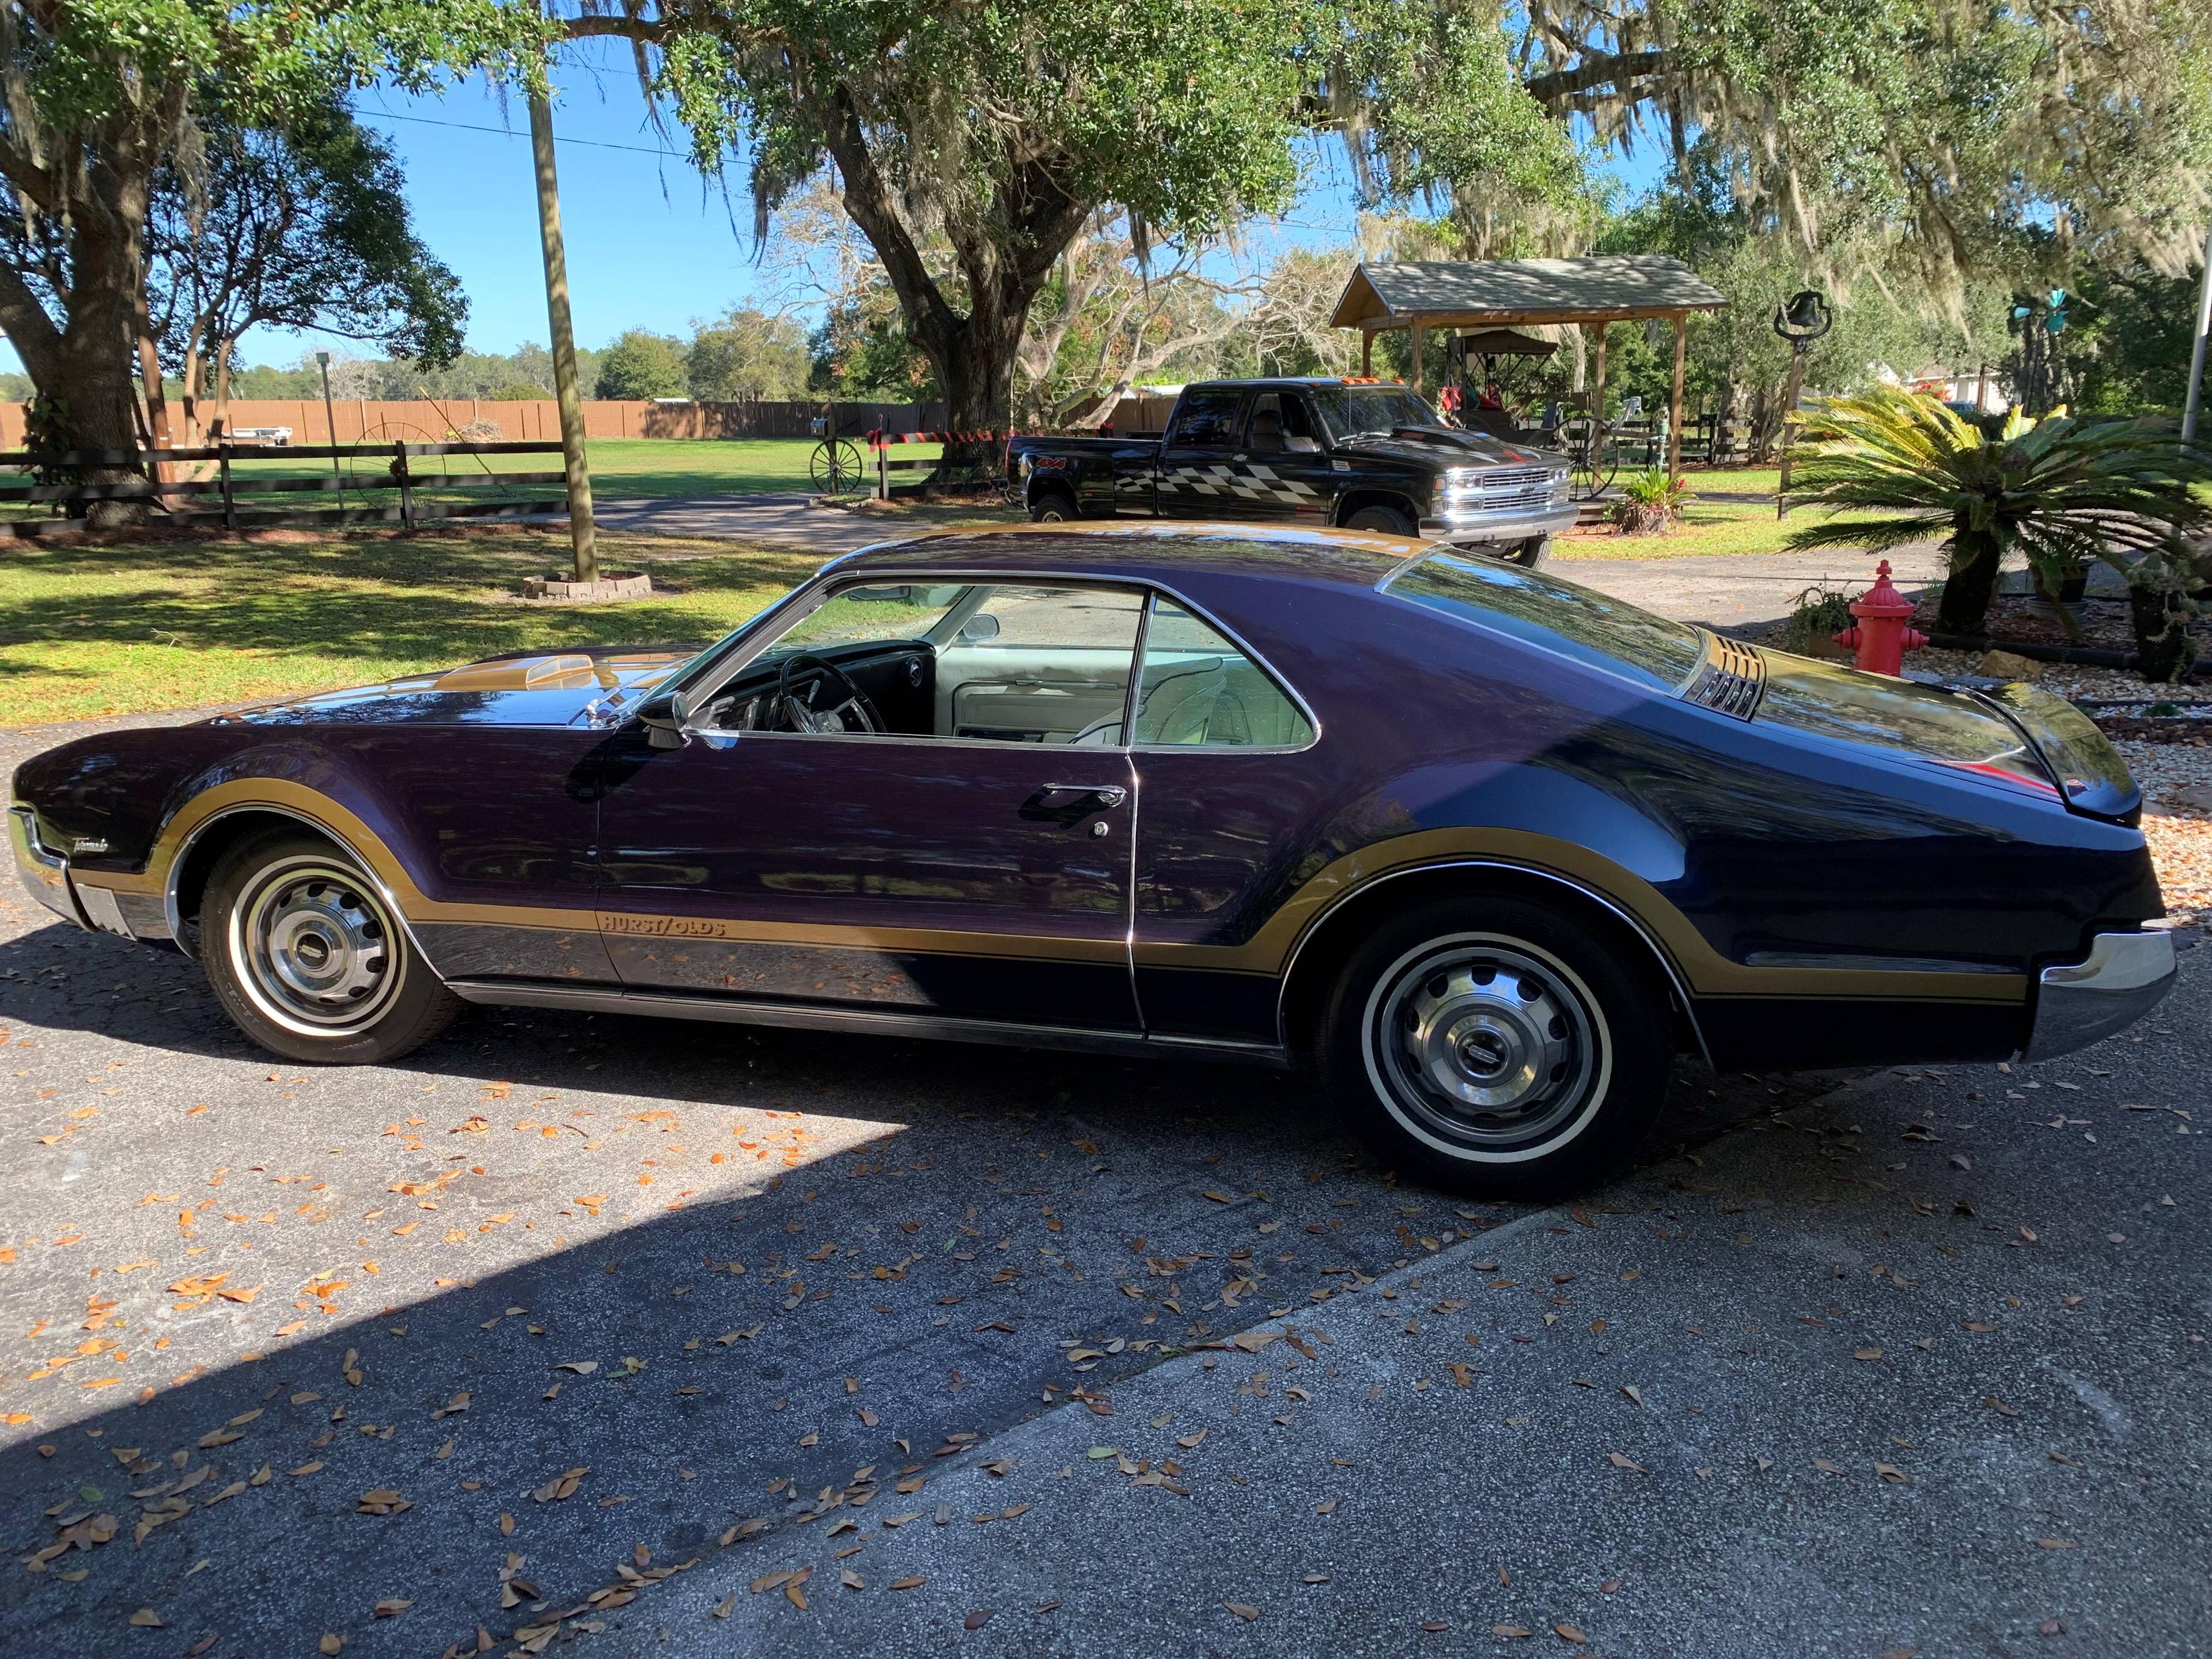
(1574, 622)
(1348, 410)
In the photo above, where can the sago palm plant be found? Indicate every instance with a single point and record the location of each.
(2063, 491)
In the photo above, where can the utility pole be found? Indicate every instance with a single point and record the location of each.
(331, 423)
(581, 534)
(2196, 352)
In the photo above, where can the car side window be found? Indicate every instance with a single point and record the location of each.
(1206, 419)
(1200, 689)
(1035, 663)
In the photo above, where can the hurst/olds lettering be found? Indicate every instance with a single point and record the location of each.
(667, 926)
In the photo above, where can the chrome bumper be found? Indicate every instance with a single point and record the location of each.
(2123, 977)
(1505, 525)
(45, 873)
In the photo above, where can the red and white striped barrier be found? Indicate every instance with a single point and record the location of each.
(882, 440)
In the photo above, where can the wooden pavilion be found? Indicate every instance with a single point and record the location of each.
(1468, 296)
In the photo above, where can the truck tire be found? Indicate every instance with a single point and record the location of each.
(1530, 555)
(1495, 1046)
(1386, 520)
(307, 958)
(1053, 506)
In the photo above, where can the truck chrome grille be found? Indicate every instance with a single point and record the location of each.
(1730, 680)
(1508, 487)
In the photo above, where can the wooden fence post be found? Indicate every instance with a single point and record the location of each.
(229, 505)
(883, 473)
(406, 483)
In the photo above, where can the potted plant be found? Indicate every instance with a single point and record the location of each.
(2064, 491)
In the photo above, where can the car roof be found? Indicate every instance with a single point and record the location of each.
(1160, 553)
(1297, 380)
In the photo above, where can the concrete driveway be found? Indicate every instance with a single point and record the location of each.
(628, 1337)
(596, 1330)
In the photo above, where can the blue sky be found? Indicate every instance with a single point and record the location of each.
(649, 246)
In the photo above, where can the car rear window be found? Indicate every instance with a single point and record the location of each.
(1574, 622)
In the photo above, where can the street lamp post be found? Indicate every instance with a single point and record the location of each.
(1803, 320)
(330, 421)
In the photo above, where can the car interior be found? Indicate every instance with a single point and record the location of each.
(1008, 664)
(1281, 424)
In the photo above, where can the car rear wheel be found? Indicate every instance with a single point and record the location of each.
(308, 958)
(1053, 506)
(1388, 520)
(1494, 1046)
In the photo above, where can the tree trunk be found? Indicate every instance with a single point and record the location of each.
(975, 359)
(220, 420)
(1973, 580)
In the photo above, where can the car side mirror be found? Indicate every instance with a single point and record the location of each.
(663, 729)
(978, 628)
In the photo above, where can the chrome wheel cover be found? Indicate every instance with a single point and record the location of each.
(1486, 1048)
(314, 947)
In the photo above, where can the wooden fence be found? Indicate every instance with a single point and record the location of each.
(447, 420)
(383, 480)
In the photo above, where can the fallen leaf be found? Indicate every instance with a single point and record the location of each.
(1622, 1460)
(976, 1620)
(1242, 1609)
(1569, 1633)
(333, 1642)
(147, 1619)
(393, 1605)
(914, 1583)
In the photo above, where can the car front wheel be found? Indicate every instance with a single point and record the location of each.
(1495, 1048)
(307, 956)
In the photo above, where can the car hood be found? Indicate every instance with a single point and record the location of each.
(1442, 447)
(551, 688)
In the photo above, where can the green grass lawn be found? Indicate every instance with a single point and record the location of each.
(1706, 527)
(94, 630)
(1734, 480)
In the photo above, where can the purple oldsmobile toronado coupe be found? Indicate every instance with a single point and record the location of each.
(1487, 848)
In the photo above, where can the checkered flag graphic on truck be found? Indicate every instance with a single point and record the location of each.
(1251, 482)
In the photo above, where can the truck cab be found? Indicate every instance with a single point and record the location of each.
(1363, 453)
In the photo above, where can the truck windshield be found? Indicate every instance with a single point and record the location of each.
(1574, 622)
(1348, 410)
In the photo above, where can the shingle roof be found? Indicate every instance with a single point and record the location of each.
(1522, 291)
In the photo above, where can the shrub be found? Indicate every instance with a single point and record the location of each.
(1650, 501)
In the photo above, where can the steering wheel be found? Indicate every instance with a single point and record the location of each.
(794, 713)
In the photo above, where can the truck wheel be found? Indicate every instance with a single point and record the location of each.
(307, 958)
(1388, 520)
(1494, 1047)
(1053, 506)
(1531, 554)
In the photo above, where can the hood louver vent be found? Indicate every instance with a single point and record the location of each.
(1730, 680)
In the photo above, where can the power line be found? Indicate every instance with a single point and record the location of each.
(509, 132)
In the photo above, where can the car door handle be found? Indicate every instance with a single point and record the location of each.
(1112, 795)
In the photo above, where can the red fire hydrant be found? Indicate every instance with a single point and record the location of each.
(1880, 634)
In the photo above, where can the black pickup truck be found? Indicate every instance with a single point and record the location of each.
(1365, 454)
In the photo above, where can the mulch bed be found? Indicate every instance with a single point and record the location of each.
(2179, 729)
(2104, 623)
